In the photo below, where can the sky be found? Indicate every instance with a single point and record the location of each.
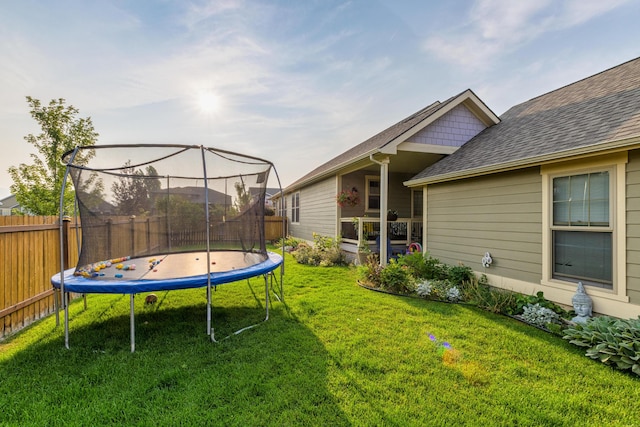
(292, 82)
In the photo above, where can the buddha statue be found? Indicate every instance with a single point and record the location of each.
(582, 305)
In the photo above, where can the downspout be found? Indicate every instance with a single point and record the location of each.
(384, 194)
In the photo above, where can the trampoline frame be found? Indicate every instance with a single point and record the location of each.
(265, 268)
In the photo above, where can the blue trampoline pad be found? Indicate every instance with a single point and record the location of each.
(170, 271)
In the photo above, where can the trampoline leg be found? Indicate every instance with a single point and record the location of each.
(133, 327)
(56, 305)
(209, 329)
(266, 291)
(65, 303)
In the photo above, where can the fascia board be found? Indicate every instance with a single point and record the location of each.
(607, 147)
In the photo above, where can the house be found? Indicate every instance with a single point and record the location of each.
(552, 193)
(8, 205)
(376, 170)
(550, 190)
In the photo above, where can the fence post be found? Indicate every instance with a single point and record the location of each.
(108, 225)
(148, 251)
(132, 218)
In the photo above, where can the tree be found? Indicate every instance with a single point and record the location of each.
(134, 191)
(37, 186)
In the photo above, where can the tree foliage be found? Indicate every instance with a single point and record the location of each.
(37, 186)
(134, 191)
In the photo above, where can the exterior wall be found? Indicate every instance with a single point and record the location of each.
(633, 227)
(317, 210)
(399, 195)
(453, 129)
(500, 214)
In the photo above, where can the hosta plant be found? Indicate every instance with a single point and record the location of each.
(612, 341)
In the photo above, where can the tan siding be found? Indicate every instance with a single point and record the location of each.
(633, 227)
(317, 210)
(500, 214)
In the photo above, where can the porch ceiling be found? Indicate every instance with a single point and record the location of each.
(403, 162)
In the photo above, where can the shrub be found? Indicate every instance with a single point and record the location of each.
(370, 271)
(290, 243)
(440, 289)
(536, 315)
(424, 289)
(420, 265)
(460, 274)
(524, 300)
(396, 278)
(614, 342)
(495, 300)
(325, 252)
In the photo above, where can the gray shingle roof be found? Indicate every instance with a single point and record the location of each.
(382, 139)
(601, 108)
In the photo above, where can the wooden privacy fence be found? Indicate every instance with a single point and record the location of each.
(30, 255)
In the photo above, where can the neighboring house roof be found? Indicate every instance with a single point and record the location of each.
(196, 195)
(388, 140)
(9, 202)
(601, 112)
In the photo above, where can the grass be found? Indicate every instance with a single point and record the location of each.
(335, 354)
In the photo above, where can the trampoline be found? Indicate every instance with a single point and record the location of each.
(165, 217)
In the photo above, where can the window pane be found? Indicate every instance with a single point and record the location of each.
(560, 213)
(581, 200)
(561, 201)
(599, 198)
(417, 203)
(561, 189)
(374, 202)
(582, 255)
(579, 212)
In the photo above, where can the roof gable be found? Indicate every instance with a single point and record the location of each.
(585, 115)
(405, 130)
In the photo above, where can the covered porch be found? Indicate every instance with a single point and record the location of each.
(365, 232)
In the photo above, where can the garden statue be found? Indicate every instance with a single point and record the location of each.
(582, 305)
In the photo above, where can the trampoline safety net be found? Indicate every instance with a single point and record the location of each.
(143, 200)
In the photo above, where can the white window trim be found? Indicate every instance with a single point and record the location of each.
(616, 165)
(368, 179)
(295, 206)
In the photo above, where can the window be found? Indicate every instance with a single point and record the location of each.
(282, 206)
(295, 207)
(581, 230)
(373, 193)
(416, 203)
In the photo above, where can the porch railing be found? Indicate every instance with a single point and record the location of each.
(365, 230)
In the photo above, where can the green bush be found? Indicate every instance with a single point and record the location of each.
(614, 342)
(289, 241)
(396, 278)
(325, 252)
(523, 301)
(495, 300)
(369, 273)
(460, 274)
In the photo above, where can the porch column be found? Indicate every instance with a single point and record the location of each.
(384, 196)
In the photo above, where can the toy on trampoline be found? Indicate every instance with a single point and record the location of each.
(163, 217)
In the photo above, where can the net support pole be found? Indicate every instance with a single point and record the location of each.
(206, 209)
(64, 297)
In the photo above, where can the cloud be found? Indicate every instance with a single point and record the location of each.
(497, 27)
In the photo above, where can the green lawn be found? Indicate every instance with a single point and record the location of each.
(335, 354)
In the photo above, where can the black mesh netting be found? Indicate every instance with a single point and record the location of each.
(143, 200)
